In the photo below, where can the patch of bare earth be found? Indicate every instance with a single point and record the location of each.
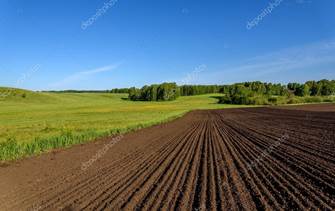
(251, 158)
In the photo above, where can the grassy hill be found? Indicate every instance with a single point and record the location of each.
(33, 122)
(22, 96)
(6, 92)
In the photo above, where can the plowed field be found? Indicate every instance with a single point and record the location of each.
(250, 158)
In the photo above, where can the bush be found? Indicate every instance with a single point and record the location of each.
(329, 100)
(273, 100)
(314, 99)
(167, 91)
(160, 92)
(134, 94)
(225, 100)
(295, 100)
(241, 99)
(260, 100)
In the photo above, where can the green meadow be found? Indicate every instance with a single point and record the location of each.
(33, 122)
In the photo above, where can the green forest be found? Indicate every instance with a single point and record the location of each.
(258, 93)
(246, 93)
(155, 92)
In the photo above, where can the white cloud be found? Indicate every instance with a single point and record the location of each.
(281, 62)
(99, 70)
(79, 76)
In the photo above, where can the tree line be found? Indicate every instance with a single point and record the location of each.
(267, 93)
(255, 92)
(116, 90)
(119, 90)
(189, 90)
(155, 92)
(313, 88)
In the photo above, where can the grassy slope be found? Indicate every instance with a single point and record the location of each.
(41, 121)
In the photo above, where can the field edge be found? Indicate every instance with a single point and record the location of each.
(12, 150)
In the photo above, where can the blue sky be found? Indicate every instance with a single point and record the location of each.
(44, 46)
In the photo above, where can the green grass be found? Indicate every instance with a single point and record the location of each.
(39, 122)
(277, 100)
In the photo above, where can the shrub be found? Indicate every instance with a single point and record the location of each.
(329, 100)
(273, 100)
(295, 100)
(260, 100)
(134, 94)
(314, 99)
(161, 92)
(226, 100)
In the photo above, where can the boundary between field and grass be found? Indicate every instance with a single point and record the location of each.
(13, 150)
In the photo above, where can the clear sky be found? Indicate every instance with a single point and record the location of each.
(86, 44)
